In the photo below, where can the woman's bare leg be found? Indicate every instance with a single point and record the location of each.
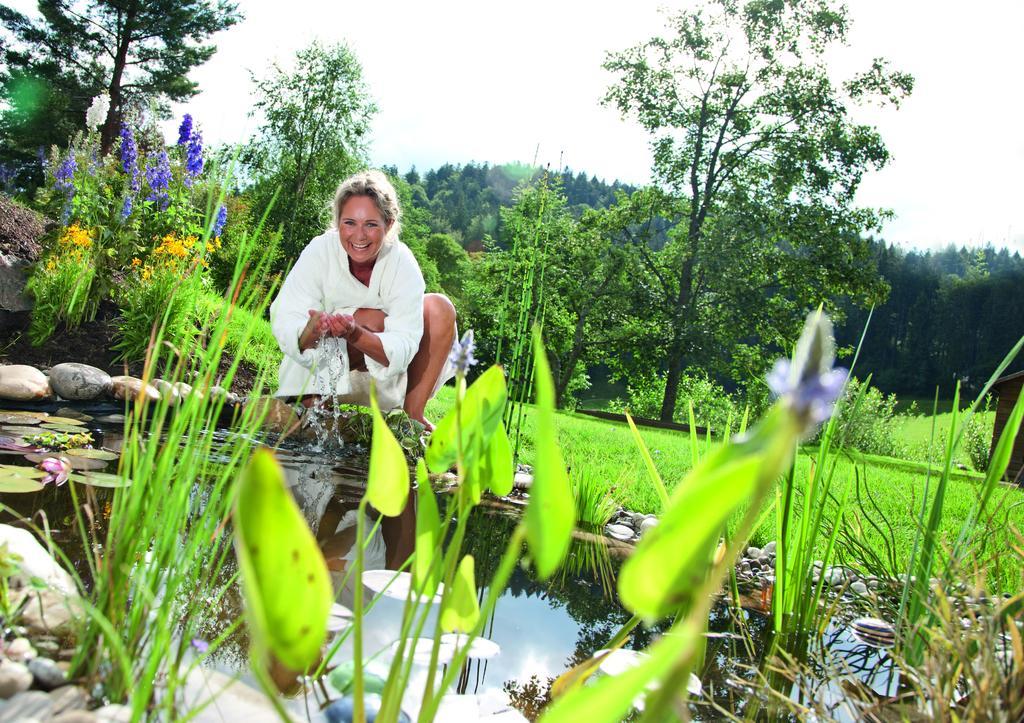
(435, 346)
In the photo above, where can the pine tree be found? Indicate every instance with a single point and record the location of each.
(134, 50)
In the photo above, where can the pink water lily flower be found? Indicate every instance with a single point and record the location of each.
(57, 469)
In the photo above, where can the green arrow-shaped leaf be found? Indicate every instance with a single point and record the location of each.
(285, 580)
(387, 484)
(550, 515)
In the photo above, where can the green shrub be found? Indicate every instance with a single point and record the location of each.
(872, 426)
(978, 432)
(164, 289)
(712, 405)
(63, 284)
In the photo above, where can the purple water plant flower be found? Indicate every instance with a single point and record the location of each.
(200, 645)
(57, 470)
(461, 356)
(222, 218)
(185, 129)
(809, 384)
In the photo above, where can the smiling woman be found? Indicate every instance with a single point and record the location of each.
(358, 284)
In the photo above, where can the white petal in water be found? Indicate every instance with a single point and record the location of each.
(395, 585)
(480, 649)
(421, 651)
(339, 618)
(619, 661)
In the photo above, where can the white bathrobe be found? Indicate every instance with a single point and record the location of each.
(321, 280)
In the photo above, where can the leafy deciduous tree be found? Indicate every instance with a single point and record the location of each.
(754, 143)
(315, 121)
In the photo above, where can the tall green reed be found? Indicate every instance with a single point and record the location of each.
(679, 565)
(160, 565)
(518, 315)
(925, 560)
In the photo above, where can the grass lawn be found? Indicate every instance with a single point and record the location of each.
(606, 452)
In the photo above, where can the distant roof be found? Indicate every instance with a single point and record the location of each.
(1007, 378)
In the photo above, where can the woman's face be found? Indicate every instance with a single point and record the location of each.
(362, 229)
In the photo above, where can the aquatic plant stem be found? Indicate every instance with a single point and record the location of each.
(495, 589)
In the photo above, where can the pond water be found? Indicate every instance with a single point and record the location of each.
(541, 629)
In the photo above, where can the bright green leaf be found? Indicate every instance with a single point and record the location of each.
(426, 566)
(101, 479)
(498, 468)
(460, 610)
(479, 415)
(287, 588)
(550, 514)
(670, 560)
(387, 484)
(15, 478)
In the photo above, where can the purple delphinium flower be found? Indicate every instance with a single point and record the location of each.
(126, 209)
(461, 356)
(64, 175)
(808, 383)
(130, 156)
(194, 157)
(158, 177)
(222, 218)
(57, 470)
(200, 645)
(185, 129)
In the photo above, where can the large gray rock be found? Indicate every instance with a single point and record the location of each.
(22, 383)
(12, 287)
(80, 382)
(29, 705)
(14, 678)
(46, 673)
(132, 388)
(35, 561)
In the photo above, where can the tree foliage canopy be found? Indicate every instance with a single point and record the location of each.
(134, 50)
(759, 158)
(315, 121)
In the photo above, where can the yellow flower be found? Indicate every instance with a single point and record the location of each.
(136, 262)
(75, 235)
(147, 272)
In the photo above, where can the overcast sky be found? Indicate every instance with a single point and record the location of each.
(472, 80)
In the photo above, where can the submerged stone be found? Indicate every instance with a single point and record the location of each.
(22, 383)
(344, 710)
(874, 632)
(79, 382)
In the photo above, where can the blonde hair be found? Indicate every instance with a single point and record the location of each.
(373, 185)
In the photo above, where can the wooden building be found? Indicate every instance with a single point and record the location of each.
(1008, 389)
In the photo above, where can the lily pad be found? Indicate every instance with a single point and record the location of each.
(37, 415)
(64, 420)
(66, 428)
(395, 585)
(479, 649)
(101, 479)
(19, 418)
(19, 430)
(73, 414)
(81, 464)
(422, 648)
(92, 453)
(16, 478)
